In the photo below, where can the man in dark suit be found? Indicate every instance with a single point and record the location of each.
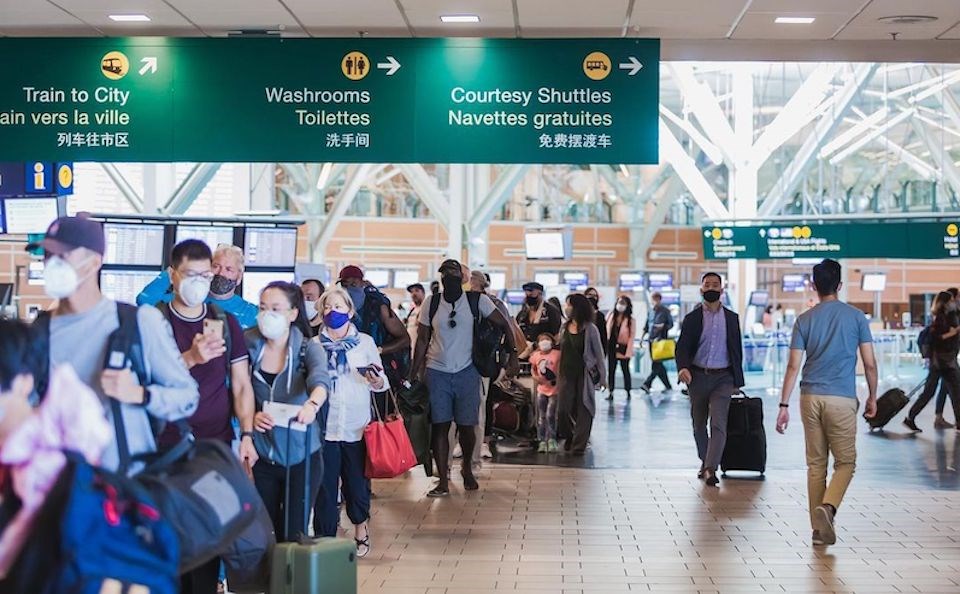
(710, 360)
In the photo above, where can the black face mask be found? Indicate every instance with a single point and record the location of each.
(711, 296)
(222, 285)
(533, 301)
(452, 288)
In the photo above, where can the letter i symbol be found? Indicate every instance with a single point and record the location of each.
(38, 176)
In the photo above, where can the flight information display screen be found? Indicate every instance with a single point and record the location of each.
(266, 246)
(212, 236)
(28, 215)
(133, 244)
(125, 285)
(254, 282)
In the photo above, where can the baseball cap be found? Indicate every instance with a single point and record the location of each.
(533, 286)
(68, 233)
(351, 272)
(451, 266)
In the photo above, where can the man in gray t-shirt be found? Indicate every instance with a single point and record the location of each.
(831, 334)
(444, 352)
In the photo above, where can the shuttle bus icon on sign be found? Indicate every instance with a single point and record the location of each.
(596, 65)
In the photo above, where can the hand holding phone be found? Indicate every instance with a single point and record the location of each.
(213, 328)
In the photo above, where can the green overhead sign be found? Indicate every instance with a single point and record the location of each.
(343, 100)
(921, 240)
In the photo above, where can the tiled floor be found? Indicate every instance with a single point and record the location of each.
(636, 519)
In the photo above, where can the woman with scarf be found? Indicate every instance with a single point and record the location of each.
(355, 369)
(290, 381)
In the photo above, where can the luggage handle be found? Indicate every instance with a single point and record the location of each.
(306, 481)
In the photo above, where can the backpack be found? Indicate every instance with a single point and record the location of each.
(489, 349)
(97, 531)
(396, 365)
(218, 314)
(923, 341)
(125, 339)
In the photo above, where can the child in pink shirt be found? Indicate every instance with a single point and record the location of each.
(544, 363)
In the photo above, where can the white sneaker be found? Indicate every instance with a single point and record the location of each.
(485, 452)
(457, 452)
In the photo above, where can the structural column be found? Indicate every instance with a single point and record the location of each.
(742, 201)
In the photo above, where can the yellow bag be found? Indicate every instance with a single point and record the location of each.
(663, 350)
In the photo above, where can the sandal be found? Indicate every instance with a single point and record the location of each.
(363, 546)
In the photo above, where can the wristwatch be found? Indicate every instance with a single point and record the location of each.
(246, 434)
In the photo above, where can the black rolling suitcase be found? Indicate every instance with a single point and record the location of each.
(746, 447)
(890, 404)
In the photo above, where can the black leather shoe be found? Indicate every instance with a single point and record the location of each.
(712, 479)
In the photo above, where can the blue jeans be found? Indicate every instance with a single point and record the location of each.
(546, 417)
(343, 467)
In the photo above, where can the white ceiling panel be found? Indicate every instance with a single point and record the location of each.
(948, 11)
(880, 31)
(489, 19)
(17, 15)
(761, 25)
(952, 33)
(457, 6)
(227, 14)
(793, 7)
(588, 15)
(352, 15)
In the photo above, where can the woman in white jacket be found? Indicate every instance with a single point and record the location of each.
(355, 368)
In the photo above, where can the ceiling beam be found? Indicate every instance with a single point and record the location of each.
(705, 107)
(502, 190)
(355, 180)
(427, 190)
(671, 152)
(800, 164)
(124, 186)
(191, 187)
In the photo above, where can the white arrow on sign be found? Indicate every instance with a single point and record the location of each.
(149, 64)
(391, 65)
(633, 66)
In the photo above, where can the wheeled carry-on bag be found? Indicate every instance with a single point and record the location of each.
(746, 447)
(312, 565)
(890, 404)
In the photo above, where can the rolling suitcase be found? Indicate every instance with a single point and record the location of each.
(890, 404)
(312, 565)
(746, 447)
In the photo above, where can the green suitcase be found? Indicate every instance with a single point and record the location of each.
(312, 565)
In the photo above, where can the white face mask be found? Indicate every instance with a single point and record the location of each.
(194, 291)
(545, 345)
(272, 324)
(621, 307)
(310, 309)
(60, 279)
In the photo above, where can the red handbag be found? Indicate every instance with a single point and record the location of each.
(389, 451)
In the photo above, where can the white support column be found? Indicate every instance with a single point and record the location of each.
(478, 248)
(742, 274)
(356, 178)
(455, 219)
(262, 186)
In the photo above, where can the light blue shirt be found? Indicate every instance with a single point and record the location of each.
(831, 334)
(712, 351)
(159, 291)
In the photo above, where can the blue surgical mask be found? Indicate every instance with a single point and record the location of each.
(335, 319)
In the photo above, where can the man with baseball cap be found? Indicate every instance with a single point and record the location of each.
(537, 316)
(80, 329)
(444, 352)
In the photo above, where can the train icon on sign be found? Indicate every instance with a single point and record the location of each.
(114, 65)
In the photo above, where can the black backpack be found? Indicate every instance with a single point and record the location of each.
(489, 349)
(125, 339)
(923, 341)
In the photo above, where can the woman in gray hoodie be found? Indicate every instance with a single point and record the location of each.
(290, 383)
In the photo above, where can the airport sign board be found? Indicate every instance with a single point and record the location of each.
(922, 240)
(345, 100)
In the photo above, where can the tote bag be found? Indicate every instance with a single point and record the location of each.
(389, 451)
(663, 350)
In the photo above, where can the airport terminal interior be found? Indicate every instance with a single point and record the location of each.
(630, 151)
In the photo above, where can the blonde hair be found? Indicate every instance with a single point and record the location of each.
(332, 292)
(231, 250)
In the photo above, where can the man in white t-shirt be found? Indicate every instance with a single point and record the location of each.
(444, 351)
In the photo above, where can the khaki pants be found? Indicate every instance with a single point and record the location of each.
(829, 427)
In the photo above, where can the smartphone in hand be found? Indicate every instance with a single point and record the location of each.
(213, 328)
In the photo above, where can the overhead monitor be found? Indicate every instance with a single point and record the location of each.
(548, 244)
(404, 278)
(254, 282)
(125, 285)
(378, 277)
(35, 274)
(577, 281)
(270, 246)
(547, 279)
(875, 282)
(660, 281)
(498, 281)
(133, 244)
(632, 281)
(29, 215)
(760, 298)
(670, 297)
(212, 236)
(516, 297)
(795, 283)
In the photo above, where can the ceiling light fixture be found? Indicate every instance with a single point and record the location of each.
(459, 18)
(130, 18)
(908, 19)
(794, 20)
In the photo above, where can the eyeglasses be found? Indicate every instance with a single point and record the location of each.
(193, 275)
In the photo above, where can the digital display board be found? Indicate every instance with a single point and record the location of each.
(660, 281)
(498, 281)
(378, 277)
(874, 281)
(516, 297)
(632, 281)
(404, 278)
(29, 215)
(210, 235)
(547, 279)
(759, 298)
(577, 281)
(133, 244)
(795, 283)
(548, 244)
(270, 247)
(254, 282)
(670, 298)
(922, 240)
(125, 285)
